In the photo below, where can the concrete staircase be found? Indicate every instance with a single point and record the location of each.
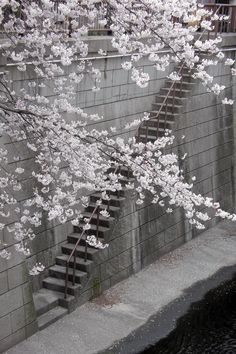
(172, 109)
(49, 301)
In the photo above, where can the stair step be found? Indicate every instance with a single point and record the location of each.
(185, 69)
(80, 250)
(187, 77)
(102, 230)
(112, 209)
(59, 272)
(160, 98)
(161, 122)
(59, 285)
(150, 138)
(151, 130)
(103, 221)
(51, 316)
(186, 74)
(121, 191)
(45, 300)
(170, 115)
(125, 180)
(123, 171)
(73, 238)
(183, 83)
(80, 263)
(170, 106)
(178, 91)
(114, 200)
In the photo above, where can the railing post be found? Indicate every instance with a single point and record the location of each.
(108, 202)
(74, 267)
(166, 110)
(118, 192)
(66, 280)
(98, 212)
(108, 16)
(86, 249)
(146, 131)
(158, 123)
(181, 80)
(233, 19)
(73, 252)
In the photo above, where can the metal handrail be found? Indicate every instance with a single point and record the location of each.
(164, 103)
(73, 252)
(172, 87)
(219, 5)
(224, 26)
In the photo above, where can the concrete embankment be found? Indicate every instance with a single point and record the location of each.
(119, 321)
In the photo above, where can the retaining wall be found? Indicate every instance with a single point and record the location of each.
(142, 233)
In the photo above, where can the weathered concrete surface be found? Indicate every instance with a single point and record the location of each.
(128, 305)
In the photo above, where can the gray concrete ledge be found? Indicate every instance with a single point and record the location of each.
(127, 306)
(165, 321)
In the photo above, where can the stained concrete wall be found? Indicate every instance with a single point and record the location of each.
(119, 101)
(142, 233)
(17, 312)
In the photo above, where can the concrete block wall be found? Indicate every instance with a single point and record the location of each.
(142, 233)
(119, 101)
(17, 312)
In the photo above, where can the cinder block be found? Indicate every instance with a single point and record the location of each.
(5, 327)
(120, 77)
(17, 275)
(12, 340)
(123, 91)
(92, 276)
(150, 258)
(3, 282)
(18, 319)
(31, 328)
(3, 264)
(85, 296)
(30, 313)
(116, 92)
(122, 243)
(123, 274)
(167, 248)
(158, 240)
(106, 284)
(27, 293)
(10, 301)
(110, 268)
(125, 225)
(128, 257)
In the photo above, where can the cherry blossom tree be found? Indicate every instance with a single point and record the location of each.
(71, 159)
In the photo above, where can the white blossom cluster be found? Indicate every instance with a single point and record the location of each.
(71, 157)
(92, 241)
(37, 269)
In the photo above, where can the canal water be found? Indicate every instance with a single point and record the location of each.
(208, 328)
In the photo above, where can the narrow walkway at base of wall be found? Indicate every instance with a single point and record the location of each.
(127, 306)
